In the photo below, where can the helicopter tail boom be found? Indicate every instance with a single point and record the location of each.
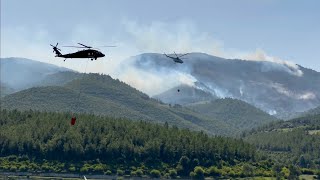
(58, 53)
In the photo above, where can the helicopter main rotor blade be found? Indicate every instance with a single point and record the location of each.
(175, 53)
(107, 46)
(75, 46)
(89, 47)
(183, 54)
(169, 56)
(85, 45)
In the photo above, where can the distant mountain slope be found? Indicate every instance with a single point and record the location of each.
(5, 89)
(100, 94)
(61, 99)
(234, 112)
(184, 95)
(277, 88)
(296, 140)
(312, 111)
(59, 78)
(21, 73)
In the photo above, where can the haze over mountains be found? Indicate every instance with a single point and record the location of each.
(279, 88)
(21, 73)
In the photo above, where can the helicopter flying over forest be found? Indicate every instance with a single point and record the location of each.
(88, 52)
(176, 59)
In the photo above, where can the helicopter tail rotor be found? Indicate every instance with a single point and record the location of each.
(56, 49)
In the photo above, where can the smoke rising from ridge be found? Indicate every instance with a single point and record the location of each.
(182, 37)
(148, 79)
(300, 96)
(260, 55)
(136, 38)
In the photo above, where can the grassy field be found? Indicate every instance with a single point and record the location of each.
(314, 132)
(307, 177)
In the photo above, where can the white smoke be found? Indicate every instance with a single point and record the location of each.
(299, 96)
(154, 84)
(307, 95)
(181, 36)
(136, 38)
(260, 55)
(272, 112)
(241, 90)
(219, 92)
(149, 80)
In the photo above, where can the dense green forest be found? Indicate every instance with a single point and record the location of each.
(40, 134)
(237, 113)
(291, 142)
(46, 142)
(102, 95)
(179, 141)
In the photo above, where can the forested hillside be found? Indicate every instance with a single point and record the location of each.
(312, 111)
(184, 95)
(98, 144)
(237, 113)
(102, 95)
(292, 142)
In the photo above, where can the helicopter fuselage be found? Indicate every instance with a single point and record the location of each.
(177, 60)
(87, 53)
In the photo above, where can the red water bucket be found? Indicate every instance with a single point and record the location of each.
(73, 120)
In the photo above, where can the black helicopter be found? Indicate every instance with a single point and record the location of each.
(176, 59)
(93, 54)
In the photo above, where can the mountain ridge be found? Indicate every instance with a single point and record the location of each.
(234, 111)
(278, 88)
(23, 73)
(103, 95)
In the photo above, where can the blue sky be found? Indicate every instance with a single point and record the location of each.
(279, 29)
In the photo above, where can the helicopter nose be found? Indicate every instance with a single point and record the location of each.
(103, 55)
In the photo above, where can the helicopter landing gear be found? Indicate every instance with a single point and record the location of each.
(64, 60)
(91, 59)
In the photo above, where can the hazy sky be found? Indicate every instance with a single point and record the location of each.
(280, 29)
